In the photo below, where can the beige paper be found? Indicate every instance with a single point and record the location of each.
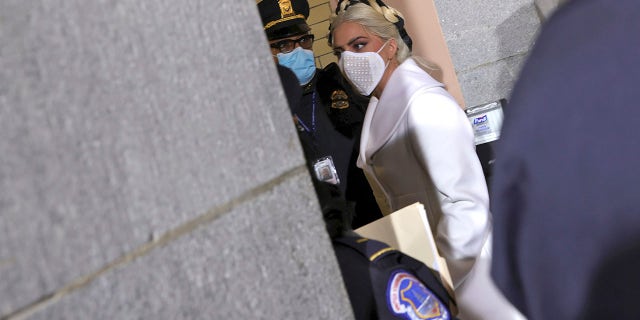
(408, 231)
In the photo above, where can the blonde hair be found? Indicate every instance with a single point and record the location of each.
(378, 20)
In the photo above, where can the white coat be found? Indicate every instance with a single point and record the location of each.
(417, 145)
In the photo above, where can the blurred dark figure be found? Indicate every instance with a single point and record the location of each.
(565, 195)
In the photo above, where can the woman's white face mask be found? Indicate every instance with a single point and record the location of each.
(364, 69)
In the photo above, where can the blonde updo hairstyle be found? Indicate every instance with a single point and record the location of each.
(376, 19)
(380, 21)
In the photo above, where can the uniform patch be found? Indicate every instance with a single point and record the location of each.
(339, 100)
(409, 298)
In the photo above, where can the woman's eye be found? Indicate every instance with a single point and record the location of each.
(359, 46)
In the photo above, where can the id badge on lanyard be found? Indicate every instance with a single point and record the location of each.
(325, 170)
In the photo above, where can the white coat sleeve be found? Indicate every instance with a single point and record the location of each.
(442, 139)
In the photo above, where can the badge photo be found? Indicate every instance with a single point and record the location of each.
(325, 170)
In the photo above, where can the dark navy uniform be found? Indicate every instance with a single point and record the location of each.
(346, 111)
(565, 188)
(339, 114)
(329, 114)
(318, 134)
(383, 283)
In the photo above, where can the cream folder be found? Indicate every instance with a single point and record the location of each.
(408, 231)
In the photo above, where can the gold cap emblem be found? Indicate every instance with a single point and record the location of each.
(286, 9)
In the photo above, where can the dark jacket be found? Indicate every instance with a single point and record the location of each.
(383, 283)
(328, 117)
(565, 196)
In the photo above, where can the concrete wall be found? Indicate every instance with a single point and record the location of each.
(146, 171)
(488, 44)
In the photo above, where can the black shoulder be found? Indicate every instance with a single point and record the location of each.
(290, 84)
(345, 106)
(384, 257)
(372, 250)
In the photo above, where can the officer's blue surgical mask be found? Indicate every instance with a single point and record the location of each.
(301, 62)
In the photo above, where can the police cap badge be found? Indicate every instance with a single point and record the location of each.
(284, 18)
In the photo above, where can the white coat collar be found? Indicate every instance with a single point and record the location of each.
(394, 102)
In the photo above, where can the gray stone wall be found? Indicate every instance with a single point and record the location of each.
(488, 43)
(149, 168)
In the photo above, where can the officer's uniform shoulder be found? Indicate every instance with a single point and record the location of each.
(372, 250)
(331, 68)
(389, 282)
(292, 90)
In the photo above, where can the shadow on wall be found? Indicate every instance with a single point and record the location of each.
(514, 47)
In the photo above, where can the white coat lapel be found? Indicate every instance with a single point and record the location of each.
(364, 135)
(382, 120)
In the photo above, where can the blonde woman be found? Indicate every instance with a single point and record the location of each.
(418, 146)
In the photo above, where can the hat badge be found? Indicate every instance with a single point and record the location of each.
(286, 9)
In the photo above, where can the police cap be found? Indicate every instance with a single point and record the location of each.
(284, 18)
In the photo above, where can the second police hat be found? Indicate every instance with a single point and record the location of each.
(284, 18)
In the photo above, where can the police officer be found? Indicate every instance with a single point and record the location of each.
(329, 115)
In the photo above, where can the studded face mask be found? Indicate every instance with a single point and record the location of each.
(363, 69)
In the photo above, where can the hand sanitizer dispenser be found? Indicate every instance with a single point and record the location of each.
(486, 120)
